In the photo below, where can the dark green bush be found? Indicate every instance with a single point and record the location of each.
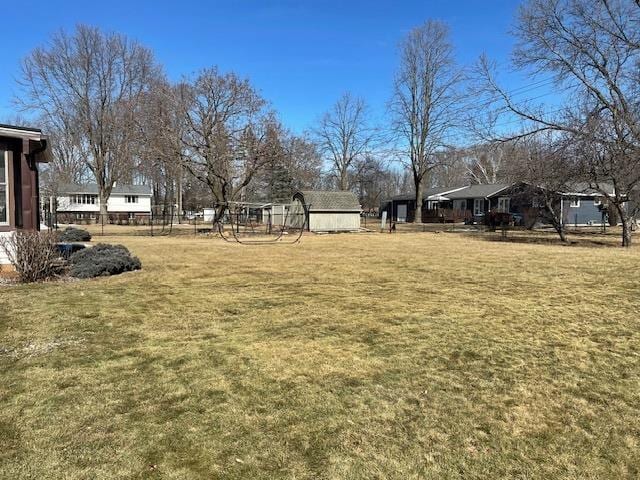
(102, 260)
(72, 234)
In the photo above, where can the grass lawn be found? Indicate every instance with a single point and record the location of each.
(404, 356)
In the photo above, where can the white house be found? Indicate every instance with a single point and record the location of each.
(81, 202)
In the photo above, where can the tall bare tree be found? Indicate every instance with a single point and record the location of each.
(162, 127)
(90, 84)
(592, 50)
(485, 163)
(425, 94)
(344, 135)
(227, 133)
(541, 170)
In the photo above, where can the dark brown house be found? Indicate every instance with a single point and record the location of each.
(21, 150)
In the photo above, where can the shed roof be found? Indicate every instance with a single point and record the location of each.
(322, 200)
(478, 191)
(92, 188)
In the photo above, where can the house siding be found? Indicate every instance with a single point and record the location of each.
(334, 221)
(4, 260)
(585, 214)
(115, 204)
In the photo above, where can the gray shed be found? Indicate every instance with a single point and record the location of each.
(328, 211)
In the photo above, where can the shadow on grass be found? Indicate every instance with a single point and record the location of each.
(574, 240)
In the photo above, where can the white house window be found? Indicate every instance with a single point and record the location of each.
(83, 199)
(478, 206)
(504, 204)
(597, 201)
(4, 187)
(575, 202)
(131, 199)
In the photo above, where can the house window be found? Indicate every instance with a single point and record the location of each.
(478, 206)
(504, 204)
(131, 199)
(4, 187)
(460, 205)
(575, 202)
(597, 201)
(83, 199)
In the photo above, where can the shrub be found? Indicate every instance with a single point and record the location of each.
(71, 234)
(102, 260)
(495, 219)
(33, 254)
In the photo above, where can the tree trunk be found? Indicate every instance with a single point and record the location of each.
(344, 180)
(626, 231)
(560, 230)
(626, 225)
(103, 199)
(556, 219)
(417, 217)
(179, 199)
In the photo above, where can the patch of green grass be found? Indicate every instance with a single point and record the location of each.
(349, 357)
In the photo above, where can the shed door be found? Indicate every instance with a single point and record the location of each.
(402, 213)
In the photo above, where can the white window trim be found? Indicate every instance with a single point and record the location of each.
(478, 202)
(597, 201)
(574, 203)
(506, 202)
(7, 157)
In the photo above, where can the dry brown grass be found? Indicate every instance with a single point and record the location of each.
(351, 356)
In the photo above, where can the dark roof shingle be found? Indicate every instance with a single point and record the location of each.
(321, 200)
(92, 188)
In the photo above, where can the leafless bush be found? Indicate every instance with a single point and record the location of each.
(33, 254)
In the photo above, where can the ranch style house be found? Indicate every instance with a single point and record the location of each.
(579, 205)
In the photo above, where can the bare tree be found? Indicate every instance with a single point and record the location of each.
(162, 127)
(541, 171)
(592, 49)
(303, 160)
(425, 93)
(227, 133)
(344, 135)
(450, 169)
(89, 84)
(485, 163)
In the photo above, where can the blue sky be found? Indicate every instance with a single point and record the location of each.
(300, 54)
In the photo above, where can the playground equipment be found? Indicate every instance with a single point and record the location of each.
(255, 224)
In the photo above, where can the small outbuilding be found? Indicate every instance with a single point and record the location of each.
(327, 211)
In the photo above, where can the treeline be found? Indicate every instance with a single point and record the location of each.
(211, 137)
